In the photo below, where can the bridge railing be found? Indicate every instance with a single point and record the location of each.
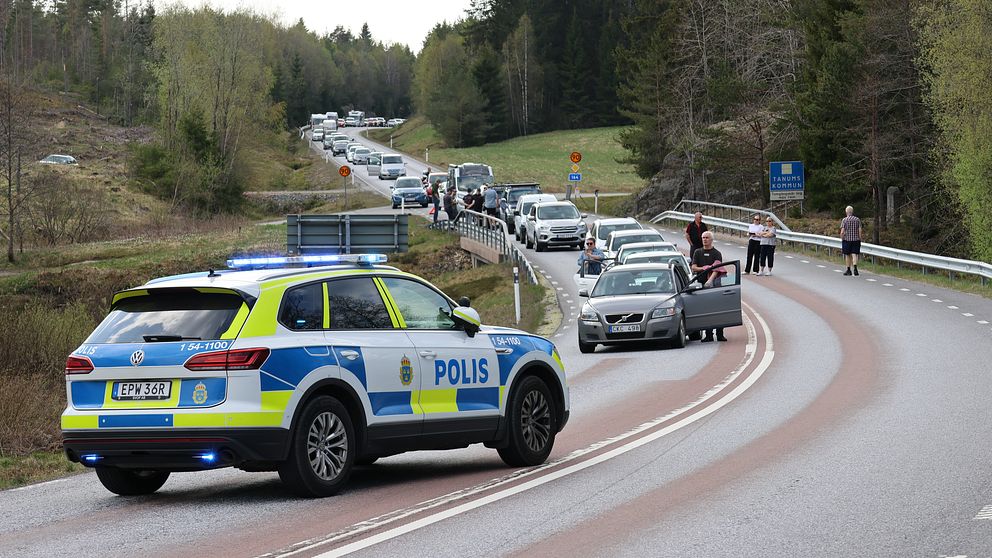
(491, 232)
(815, 242)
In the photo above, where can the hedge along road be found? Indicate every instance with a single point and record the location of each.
(859, 437)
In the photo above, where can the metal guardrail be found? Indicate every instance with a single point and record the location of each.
(346, 233)
(490, 231)
(743, 213)
(982, 270)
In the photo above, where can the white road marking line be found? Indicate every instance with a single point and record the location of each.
(564, 327)
(789, 257)
(904, 290)
(821, 266)
(952, 307)
(921, 294)
(554, 282)
(804, 261)
(871, 280)
(560, 289)
(967, 315)
(838, 271)
(936, 300)
(378, 522)
(569, 302)
(983, 322)
(886, 284)
(985, 513)
(557, 335)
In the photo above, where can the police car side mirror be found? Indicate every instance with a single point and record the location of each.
(467, 319)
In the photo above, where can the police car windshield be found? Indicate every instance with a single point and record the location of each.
(605, 230)
(643, 281)
(172, 315)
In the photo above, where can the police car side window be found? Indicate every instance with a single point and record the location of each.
(421, 306)
(355, 303)
(303, 307)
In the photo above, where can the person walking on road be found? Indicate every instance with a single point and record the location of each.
(694, 233)
(850, 240)
(436, 198)
(768, 239)
(753, 245)
(703, 259)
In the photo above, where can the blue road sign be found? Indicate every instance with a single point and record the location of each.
(575, 177)
(786, 180)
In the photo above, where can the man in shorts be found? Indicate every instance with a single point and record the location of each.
(703, 259)
(850, 240)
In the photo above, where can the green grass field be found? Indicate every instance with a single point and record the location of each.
(542, 157)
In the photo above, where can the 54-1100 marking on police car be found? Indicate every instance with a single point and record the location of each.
(507, 340)
(205, 346)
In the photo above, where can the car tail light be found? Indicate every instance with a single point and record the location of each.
(239, 359)
(78, 365)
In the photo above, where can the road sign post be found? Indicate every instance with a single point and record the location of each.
(345, 171)
(595, 206)
(574, 176)
(516, 291)
(786, 181)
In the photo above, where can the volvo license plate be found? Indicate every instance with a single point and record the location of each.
(142, 391)
(625, 328)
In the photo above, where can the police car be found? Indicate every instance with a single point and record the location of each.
(307, 371)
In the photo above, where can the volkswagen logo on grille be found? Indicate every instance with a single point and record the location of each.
(137, 357)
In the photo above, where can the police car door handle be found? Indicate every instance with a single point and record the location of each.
(428, 354)
(503, 350)
(350, 355)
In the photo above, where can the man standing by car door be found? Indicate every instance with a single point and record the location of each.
(702, 259)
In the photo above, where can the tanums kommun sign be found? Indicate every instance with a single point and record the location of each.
(786, 180)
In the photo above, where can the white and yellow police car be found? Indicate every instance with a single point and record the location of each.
(307, 371)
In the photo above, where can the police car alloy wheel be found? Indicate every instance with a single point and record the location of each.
(532, 425)
(322, 451)
(127, 482)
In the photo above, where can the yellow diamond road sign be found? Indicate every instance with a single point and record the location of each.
(575, 168)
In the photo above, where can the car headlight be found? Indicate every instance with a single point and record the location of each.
(581, 227)
(662, 312)
(588, 314)
(544, 227)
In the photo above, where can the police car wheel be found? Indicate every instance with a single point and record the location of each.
(322, 451)
(532, 429)
(128, 482)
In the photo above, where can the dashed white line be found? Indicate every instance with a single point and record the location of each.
(983, 322)
(804, 261)
(838, 271)
(871, 280)
(967, 315)
(952, 307)
(937, 300)
(554, 282)
(560, 289)
(904, 290)
(821, 266)
(886, 284)
(789, 257)
(985, 513)
(921, 294)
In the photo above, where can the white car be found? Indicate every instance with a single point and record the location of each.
(616, 239)
(273, 366)
(555, 224)
(637, 247)
(361, 156)
(56, 159)
(602, 228)
(391, 166)
(350, 153)
(522, 209)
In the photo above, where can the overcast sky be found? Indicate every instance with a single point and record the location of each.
(391, 21)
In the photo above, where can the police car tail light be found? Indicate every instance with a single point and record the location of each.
(78, 365)
(239, 359)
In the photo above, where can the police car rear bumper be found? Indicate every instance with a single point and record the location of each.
(178, 449)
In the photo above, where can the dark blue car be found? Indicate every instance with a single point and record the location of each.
(410, 196)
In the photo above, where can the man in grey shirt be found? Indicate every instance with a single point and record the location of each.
(490, 201)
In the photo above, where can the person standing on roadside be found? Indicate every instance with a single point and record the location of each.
(850, 239)
(753, 245)
(768, 239)
(703, 259)
(450, 204)
(694, 233)
(436, 198)
(490, 203)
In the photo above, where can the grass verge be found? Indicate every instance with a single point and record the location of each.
(541, 157)
(35, 467)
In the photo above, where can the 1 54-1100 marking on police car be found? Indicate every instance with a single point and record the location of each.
(204, 346)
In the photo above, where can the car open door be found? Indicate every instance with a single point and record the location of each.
(715, 306)
(374, 164)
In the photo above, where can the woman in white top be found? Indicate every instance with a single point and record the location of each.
(753, 245)
(768, 240)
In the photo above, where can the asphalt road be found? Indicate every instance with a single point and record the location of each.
(849, 416)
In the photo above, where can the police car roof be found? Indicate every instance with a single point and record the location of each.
(250, 281)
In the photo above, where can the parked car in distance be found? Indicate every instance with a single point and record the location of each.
(340, 147)
(637, 247)
(616, 239)
(392, 166)
(317, 134)
(350, 154)
(555, 224)
(522, 209)
(601, 228)
(361, 156)
(55, 159)
(656, 302)
(509, 194)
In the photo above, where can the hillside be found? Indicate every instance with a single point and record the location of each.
(540, 157)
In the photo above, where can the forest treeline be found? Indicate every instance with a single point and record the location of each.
(869, 94)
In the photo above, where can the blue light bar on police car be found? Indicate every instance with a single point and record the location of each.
(264, 262)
